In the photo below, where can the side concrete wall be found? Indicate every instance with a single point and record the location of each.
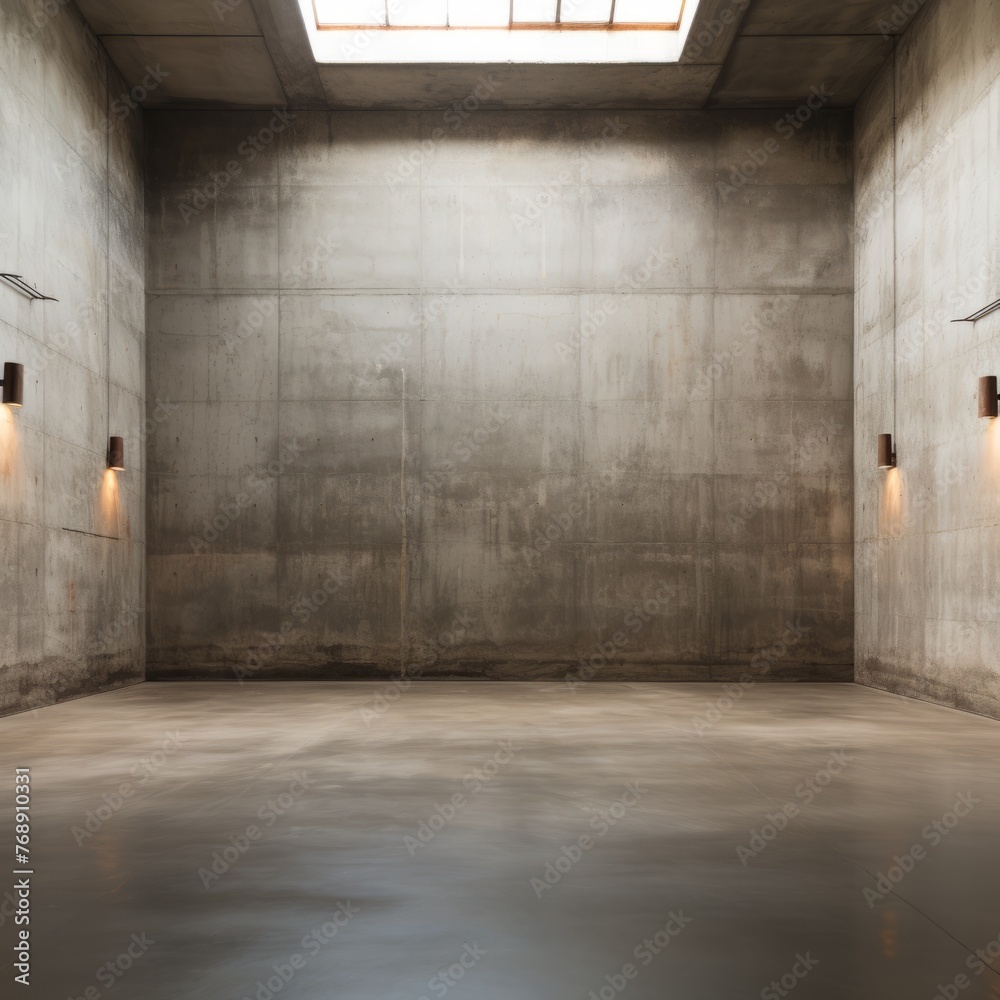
(72, 535)
(927, 566)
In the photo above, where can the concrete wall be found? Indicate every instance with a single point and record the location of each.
(463, 391)
(71, 222)
(928, 573)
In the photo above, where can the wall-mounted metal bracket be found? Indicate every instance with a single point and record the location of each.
(975, 317)
(22, 286)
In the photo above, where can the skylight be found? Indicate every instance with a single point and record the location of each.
(497, 31)
(538, 14)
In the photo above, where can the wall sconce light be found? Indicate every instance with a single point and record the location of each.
(116, 454)
(886, 455)
(988, 397)
(13, 384)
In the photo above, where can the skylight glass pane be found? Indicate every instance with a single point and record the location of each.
(647, 11)
(422, 13)
(478, 13)
(586, 11)
(350, 11)
(535, 11)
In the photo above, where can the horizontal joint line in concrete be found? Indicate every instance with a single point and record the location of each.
(241, 34)
(813, 34)
(94, 534)
(258, 291)
(26, 524)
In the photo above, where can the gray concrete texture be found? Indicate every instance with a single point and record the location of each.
(212, 829)
(927, 570)
(72, 571)
(256, 53)
(403, 348)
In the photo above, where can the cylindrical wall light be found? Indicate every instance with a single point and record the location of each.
(886, 456)
(988, 397)
(13, 384)
(116, 454)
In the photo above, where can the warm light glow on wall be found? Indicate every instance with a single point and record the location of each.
(889, 935)
(109, 507)
(991, 454)
(8, 443)
(892, 513)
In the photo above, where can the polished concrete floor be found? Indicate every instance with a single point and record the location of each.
(437, 845)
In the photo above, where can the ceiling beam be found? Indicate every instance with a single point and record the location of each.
(714, 29)
(288, 43)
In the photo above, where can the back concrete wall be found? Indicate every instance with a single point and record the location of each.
(928, 572)
(72, 535)
(490, 395)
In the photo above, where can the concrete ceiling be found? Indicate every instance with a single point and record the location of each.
(256, 54)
